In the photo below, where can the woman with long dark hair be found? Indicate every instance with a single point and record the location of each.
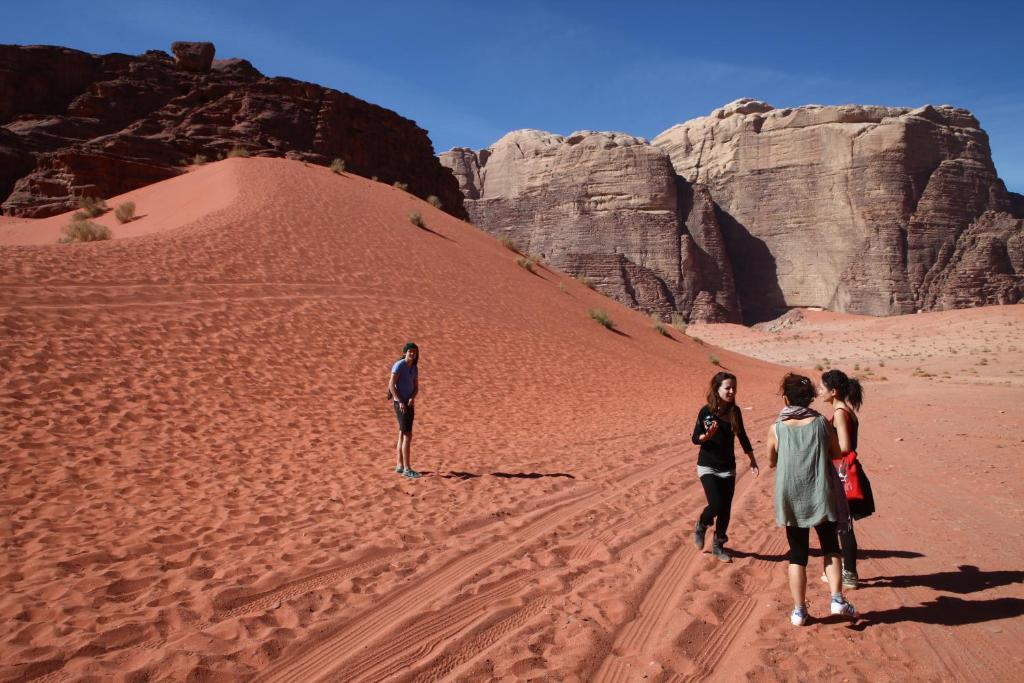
(719, 424)
(846, 395)
(808, 493)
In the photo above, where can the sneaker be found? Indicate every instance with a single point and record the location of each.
(411, 473)
(699, 533)
(719, 552)
(399, 469)
(850, 579)
(843, 608)
(798, 617)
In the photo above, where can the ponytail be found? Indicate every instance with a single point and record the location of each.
(855, 394)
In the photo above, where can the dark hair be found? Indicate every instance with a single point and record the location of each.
(410, 346)
(847, 388)
(715, 402)
(797, 389)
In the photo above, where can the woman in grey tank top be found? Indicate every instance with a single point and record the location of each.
(808, 493)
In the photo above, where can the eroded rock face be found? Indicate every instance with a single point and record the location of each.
(607, 207)
(852, 208)
(72, 123)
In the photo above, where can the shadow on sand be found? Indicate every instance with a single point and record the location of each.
(947, 611)
(508, 475)
(967, 579)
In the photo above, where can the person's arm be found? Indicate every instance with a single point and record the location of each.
(393, 386)
(745, 442)
(700, 436)
(773, 447)
(841, 421)
(833, 445)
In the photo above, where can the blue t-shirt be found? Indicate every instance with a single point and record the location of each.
(406, 380)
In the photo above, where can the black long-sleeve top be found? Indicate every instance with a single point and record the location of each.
(719, 452)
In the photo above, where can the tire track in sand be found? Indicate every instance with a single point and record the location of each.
(333, 653)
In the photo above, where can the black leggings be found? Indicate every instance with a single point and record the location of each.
(719, 491)
(799, 541)
(849, 542)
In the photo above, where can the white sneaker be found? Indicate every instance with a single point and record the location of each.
(843, 608)
(798, 617)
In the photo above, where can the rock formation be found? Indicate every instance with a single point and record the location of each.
(852, 208)
(871, 210)
(604, 206)
(74, 124)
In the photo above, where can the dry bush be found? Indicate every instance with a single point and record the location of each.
(238, 151)
(84, 231)
(91, 206)
(416, 219)
(679, 322)
(507, 242)
(659, 326)
(199, 159)
(434, 202)
(714, 359)
(404, 187)
(601, 317)
(527, 262)
(125, 213)
(338, 166)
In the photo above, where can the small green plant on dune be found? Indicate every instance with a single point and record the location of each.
(91, 207)
(238, 151)
(125, 213)
(199, 159)
(714, 359)
(404, 187)
(416, 219)
(434, 201)
(84, 231)
(601, 317)
(338, 166)
(527, 262)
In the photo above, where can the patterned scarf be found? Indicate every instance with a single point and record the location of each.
(797, 413)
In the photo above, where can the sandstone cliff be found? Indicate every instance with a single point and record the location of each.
(853, 208)
(873, 210)
(605, 206)
(73, 123)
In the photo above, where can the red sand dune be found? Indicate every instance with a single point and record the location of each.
(197, 476)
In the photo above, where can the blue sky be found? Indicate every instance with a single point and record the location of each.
(469, 72)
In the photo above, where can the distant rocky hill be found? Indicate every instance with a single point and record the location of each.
(74, 124)
(752, 210)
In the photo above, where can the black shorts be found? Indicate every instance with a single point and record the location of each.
(404, 419)
(799, 546)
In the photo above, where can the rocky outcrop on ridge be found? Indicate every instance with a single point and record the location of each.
(852, 208)
(872, 210)
(74, 124)
(604, 206)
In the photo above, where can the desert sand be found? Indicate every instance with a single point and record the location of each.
(197, 476)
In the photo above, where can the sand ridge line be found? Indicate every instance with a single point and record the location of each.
(325, 658)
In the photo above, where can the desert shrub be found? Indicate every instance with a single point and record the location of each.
(199, 159)
(819, 367)
(84, 231)
(585, 281)
(679, 322)
(91, 206)
(698, 340)
(561, 288)
(659, 326)
(416, 219)
(507, 242)
(527, 262)
(404, 187)
(601, 317)
(125, 213)
(238, 151)
(434, 201)
(338, 166)
(375, 179)
(715, 360)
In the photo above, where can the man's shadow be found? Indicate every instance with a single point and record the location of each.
(947, 611)
(508, 475)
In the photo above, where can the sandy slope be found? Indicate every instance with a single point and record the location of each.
(197, 474)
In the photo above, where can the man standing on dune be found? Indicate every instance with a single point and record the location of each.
(402, 389)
